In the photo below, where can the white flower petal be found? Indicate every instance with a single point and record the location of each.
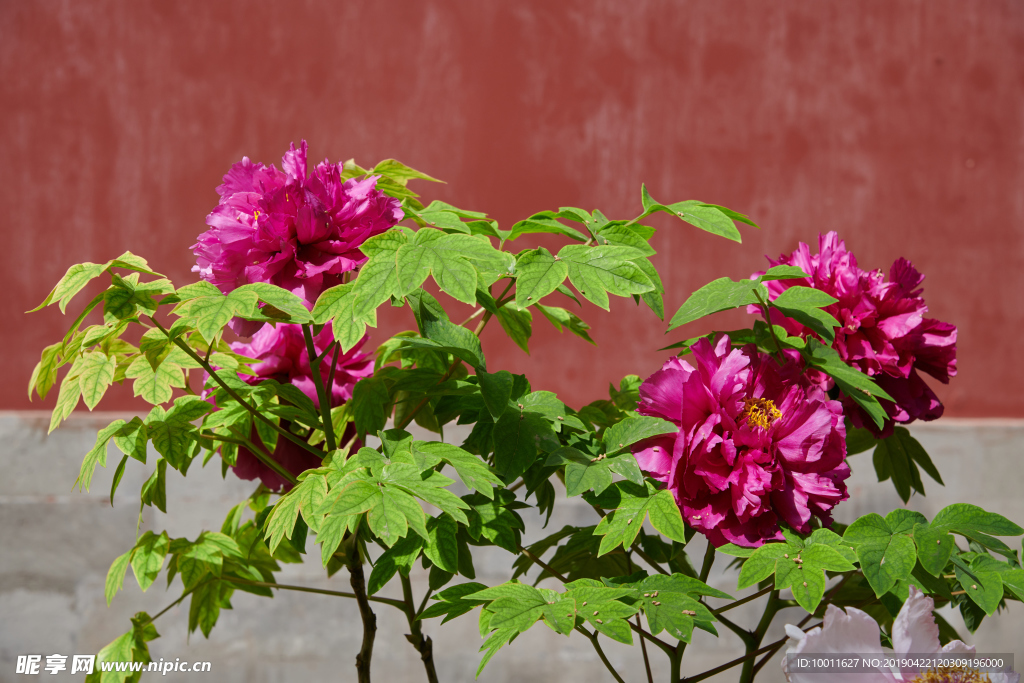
(849, 632)
(914, 629)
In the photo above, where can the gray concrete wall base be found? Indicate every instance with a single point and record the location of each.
(58, 544)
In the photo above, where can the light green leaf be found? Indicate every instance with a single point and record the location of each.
(633, 429)
(720, 295)
(596, 271)
(115, 576)
(885, 556)
(538, 273)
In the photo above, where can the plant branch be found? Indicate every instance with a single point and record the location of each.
(747, 675)
(423, 644)
(825, 601)
(241, 401)
(177, 602)
(319, 591)
(647, 661)
(709, 559)
(321, 390)
(771, 328)
(739, 660)
(600, 653)
(742, 601)
(355, 568)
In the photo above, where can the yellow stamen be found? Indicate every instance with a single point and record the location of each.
(952, 675)
(256, 216)
(760, 412)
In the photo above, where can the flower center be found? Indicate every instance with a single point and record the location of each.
(760, 412)
(951, 675)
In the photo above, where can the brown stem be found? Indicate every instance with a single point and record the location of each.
(355, 568)
(423, 644)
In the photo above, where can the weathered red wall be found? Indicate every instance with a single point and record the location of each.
(899, 124)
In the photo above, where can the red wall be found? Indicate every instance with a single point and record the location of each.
(899, 124)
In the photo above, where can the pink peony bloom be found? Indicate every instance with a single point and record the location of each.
(756, 444)
(854, 632)
(294, 230)
(281, 352)
(883, 330)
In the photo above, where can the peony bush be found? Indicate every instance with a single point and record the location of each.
(743, 437)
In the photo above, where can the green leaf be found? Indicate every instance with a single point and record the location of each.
(596, 271)
(398, 171)
(886, 556)
(337, 304)
(95, 375)
(155, 387)
(473, 473)
(708, 217)
(148, 557)
(115, 576)
(44, 375)
(291, 306)
(496, 390)
(517, 438)
(784, 273)
(665, 516)
(442, 547)
(399, 557)
(67, 399)
(562, 318)
(720, 295)
(97, 455)
(154, 490)
(446, 336)
(538, 273)
(210, 314)
(74, 280)
(967, 519)
(934, 546)
(517, 323)
(633, 429)
(370, 405)
(804, 305)
(984, 586)
(629, 505)
(544, 222)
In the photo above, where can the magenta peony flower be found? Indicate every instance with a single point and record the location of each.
(282, 354)
(756, 444)
(292, 230)
(883, 330)
(854, 632)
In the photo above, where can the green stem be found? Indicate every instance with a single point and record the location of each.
(177, 602)
(233, 394)
(743, 601)
(676, 663)
(319, 591)
(747, 674)
(771, 328)
(647, 661)
(709, 559)
(600, 653)
(423, 644)
(321, 391)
